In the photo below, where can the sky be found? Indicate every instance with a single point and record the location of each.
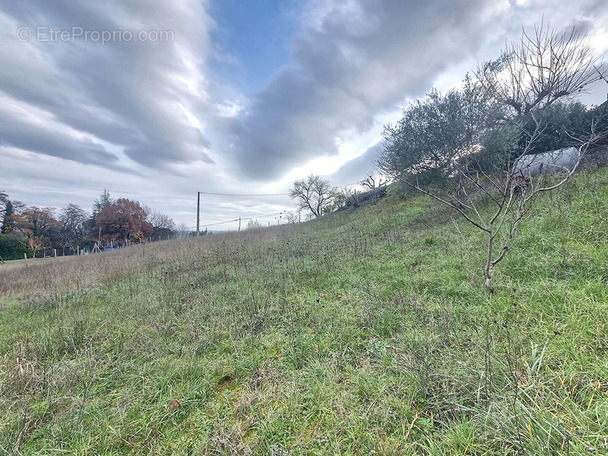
(156, 101)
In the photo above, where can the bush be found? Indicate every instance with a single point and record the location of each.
(12, 247)
(365, 198)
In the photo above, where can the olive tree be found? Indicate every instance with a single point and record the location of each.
(466, 148)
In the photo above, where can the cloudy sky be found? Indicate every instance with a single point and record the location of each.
(156, 100)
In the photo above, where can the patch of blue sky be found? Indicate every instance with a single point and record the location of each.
(252, 38)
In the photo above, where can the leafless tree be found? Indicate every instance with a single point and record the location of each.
(292, 217)
(510, 194)
(182, 229)
(543, 67)
(73, 226)
(372, 183)
(530, 76)
(254, 224)
(164, 226)
(313, 194)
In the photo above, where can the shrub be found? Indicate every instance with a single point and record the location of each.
(12, 247)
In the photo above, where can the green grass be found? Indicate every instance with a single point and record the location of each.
(365, 332)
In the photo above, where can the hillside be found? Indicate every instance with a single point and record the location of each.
(364, 332)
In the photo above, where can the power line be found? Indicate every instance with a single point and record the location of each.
(348, 185)
(243, 195)
(264, 216)
(243, 218)
(221, 223)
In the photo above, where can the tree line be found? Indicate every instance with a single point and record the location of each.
(35, 230)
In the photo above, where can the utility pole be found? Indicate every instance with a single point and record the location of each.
(239, 223)
(198, 211)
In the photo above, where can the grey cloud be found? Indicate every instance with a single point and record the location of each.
(26, 135)
(357, 169)
(130, 94)
(582, 26)
(352, 64)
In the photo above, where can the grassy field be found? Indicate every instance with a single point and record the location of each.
(365, 332)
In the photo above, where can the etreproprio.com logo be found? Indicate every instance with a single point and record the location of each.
(53, 35)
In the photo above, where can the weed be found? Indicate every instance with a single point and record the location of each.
(364, 331)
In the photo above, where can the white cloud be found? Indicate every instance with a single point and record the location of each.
(351, 62)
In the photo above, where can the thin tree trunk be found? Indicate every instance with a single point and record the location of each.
(489, 268)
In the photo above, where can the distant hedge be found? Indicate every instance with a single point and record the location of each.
(12, 247)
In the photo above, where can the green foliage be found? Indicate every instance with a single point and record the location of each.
(87, 243)
(398, 189)
(421, 143)
(600, 115)
(435, 133)
(463, 148)
(362, 332)
(8, 219)
(562, 124)
(435, 137)
(12, 247)
(103, 200)
(513, 105)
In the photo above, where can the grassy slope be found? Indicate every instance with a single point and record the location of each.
(360, 333)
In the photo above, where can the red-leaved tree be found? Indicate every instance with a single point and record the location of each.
(123, 221)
